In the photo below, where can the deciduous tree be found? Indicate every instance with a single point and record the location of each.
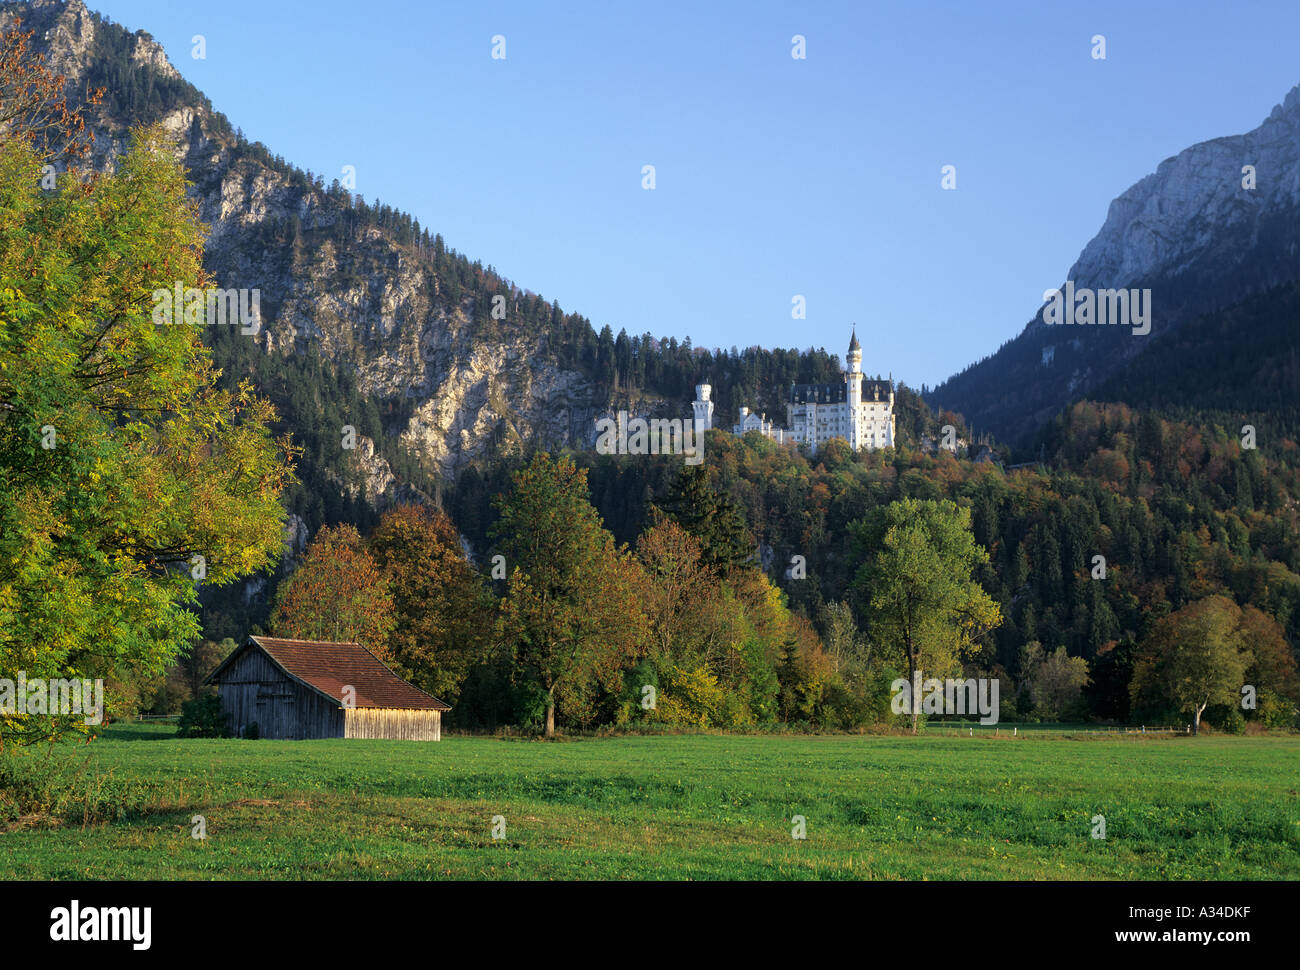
(338, 593)
(571, 609)
(918, 587)
(126, 474)
(442, 610)
(1055, 679)
(1194, 657)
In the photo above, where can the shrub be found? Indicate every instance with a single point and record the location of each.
(203, 718)
(29, 785)
(690, 697)
(1275, 711)
(635, 680)
(40, 789)
(1225, 717)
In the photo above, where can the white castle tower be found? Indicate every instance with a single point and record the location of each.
(703, 406)
(854, 391)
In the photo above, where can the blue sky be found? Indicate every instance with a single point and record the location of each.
(775, 176)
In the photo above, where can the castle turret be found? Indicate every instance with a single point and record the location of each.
(703, 407)
(891, 439)
(854, 380)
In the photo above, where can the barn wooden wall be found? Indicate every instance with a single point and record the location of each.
(254, 691)
(394, 723)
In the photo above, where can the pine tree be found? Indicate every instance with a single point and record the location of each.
(711, 516)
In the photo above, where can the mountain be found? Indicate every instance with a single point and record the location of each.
(359, 297)
(1233, 366)
(356, 283)
(371, 321)
(1202, 242)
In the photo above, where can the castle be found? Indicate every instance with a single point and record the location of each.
(861, 411)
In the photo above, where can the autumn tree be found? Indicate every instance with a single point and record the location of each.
(1272, 670)
(571, 610)
(1194, 657)
(805, 672)
(917, 585)
(682, 594)
(847, 648)
(770, 641)
(338, 592)
(1055, 679)
(711, 516)
(127, 476)
(33, 106)
(701, 633)
(442, 610)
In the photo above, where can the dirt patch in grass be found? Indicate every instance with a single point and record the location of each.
(35, 820)
(265, 803)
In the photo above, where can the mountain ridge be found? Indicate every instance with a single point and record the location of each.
(363, 282)
(1192, 233)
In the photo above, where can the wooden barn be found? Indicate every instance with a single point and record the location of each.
(321, 689)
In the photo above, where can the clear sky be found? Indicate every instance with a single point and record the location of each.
(774, 176)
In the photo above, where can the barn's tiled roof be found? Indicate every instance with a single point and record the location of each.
(329, 667)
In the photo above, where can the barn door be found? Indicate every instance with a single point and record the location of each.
(277, 713)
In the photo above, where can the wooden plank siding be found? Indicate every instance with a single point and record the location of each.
(297, 689)
(254, 691)
(392, 723)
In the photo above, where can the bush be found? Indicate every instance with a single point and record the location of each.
(691, 697)
(29, 785)
(203, 718)
(41, 789)
(1225, 717)
(843, 709)
(635, 680)
(1275, 711)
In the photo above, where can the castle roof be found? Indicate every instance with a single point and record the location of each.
(854, 346)
(838, 393)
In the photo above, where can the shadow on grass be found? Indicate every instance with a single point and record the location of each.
(138, 732)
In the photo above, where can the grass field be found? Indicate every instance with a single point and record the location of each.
(677, 807)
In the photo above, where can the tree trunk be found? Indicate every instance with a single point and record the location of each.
(916, 700)
(550, 713)
(1196, 719)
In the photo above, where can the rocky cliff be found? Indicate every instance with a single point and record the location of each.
(1194, 213)
(1211, 227)
(368, 290)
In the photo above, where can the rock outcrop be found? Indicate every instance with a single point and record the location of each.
(1215, 225)
(371, 301)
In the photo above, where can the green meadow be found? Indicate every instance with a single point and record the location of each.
(667, 807)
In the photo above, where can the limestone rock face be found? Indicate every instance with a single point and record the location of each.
(1194, 207)
(296, 538)
(368, 301)
(1194, 233)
